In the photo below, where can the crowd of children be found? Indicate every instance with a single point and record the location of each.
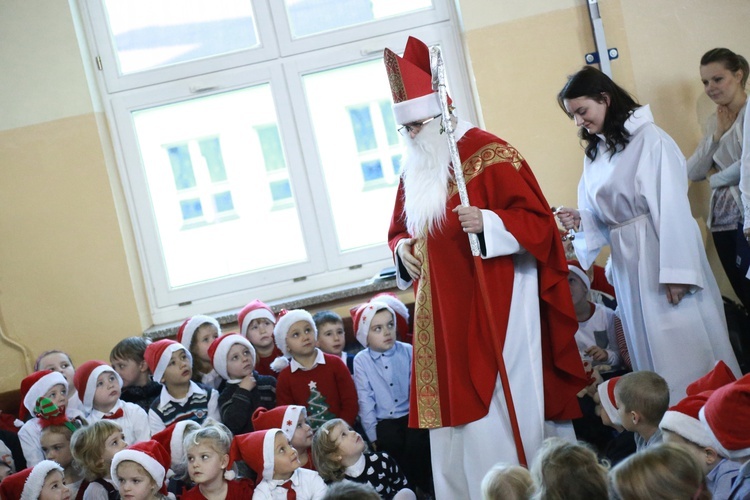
(282, 410)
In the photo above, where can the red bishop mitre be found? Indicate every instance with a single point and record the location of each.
(410, 79)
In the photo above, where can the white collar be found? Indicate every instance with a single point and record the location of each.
(357, 468)
(165, 397)
(294, 479)
(638, 118)
(320, 359)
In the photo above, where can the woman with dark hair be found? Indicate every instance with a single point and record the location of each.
(724, 75)
(633, 197)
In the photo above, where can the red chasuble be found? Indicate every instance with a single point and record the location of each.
(454, 366)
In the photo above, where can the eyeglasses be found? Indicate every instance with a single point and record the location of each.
(417, 126)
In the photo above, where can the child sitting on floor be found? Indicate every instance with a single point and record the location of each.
(55, 441)
(127, 358)
(42, 482)
(642, 398)
(292, 420)
(622, 444)
(332, 337)
(507, 482)
(197, 333)
(256, 322)
(139, 472)
(93, 448)
(563, 469)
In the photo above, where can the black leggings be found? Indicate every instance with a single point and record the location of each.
(726, 247)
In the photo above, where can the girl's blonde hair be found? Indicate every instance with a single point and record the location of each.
(507, 482)
(87, 445)
(215, 433)
(663, 472)
(324, 450)
(563, 470)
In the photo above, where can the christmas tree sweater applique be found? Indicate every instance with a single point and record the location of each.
(317, 408)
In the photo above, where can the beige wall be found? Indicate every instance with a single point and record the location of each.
(68, 275)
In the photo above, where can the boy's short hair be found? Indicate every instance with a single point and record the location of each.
(130, 348)
(507, 482)
(564, 470)
(349, 490)
(645, 392)
(324, 317)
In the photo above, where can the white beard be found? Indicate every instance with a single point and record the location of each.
(426, 173)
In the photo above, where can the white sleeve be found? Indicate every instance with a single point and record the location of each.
(745, 169)
(318, 488)
(702, 159)
(401, 283)
(498, 241)
(213, 406)
(29, 436)
(140, 422)
(593, 234)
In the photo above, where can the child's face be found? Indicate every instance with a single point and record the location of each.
(129, 370)
(382, 333)
(205, 464)
(350, 443)
(300, 339)
(260, 333)
(59, 362)
(204, 336)
(179, 370)
(54, 487)
(107, 391)
(135, 482)
(303, 435)
(331, 338)
(239, 362)
(577, 289)
(114, 443)
(285, 457)
(56, 446)
(625, 417)
(58, 395)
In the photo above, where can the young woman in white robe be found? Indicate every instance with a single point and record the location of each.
(633, 197)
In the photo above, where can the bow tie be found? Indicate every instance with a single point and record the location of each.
(118, 414)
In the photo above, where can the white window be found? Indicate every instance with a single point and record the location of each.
(256, 141)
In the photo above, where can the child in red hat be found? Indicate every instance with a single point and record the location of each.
(44, 481)
(197, 333)
(292, 420)
(140, 471)
(257, 322)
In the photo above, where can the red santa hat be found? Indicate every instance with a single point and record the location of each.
(285, 322)
(256, 450)
(719, 376)
(281, 417)
(159, 353)
(410, 78)
(190, 325)
(575, 267)
(725, 415)
(402, 312)
(35, 386)
(148, 454)
(363, 317)
(254, 310)
(171, 439)
(85, 379)
(220, 349)
(28, 484)
(682, 419)
(606, 392)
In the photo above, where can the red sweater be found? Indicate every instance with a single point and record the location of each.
(263, 365)
(326, 391)
(240, 488)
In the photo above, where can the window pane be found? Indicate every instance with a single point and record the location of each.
(270, 143)
(219, 246)
(148, 34)
(308, 17)
(182, 167)
(391, 129)
(362, 125)
(331, 98)
(280, 190)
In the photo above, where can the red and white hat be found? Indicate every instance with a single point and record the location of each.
(220, 349)
(148, 454)
(254, 310)
(725, 415)
(85, 379)
(682, 419)
(159, 353)
(606, 392)
(410, 79)
(171, 439)
(363, 317)
(402, 312)
(28, 483)
(285, 322)
(35, 386)
(256, 450)
(719, 376)
(281, 417)
(575, 267)
(190, 325)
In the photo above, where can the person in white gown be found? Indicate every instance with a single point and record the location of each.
(633, 197)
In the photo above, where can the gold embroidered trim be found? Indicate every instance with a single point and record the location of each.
(486, 156)
(394, 76)
(425, 366)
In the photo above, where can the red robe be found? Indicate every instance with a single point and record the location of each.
(454, 365)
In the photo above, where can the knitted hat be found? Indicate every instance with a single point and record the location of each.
(606, 392)
(725, 415)
(682, 419)
(719, 376)
(148, 454)
(159, 353)
(256, 450)
(254, 310)
(35, 386)
(402, 312)
(410, 78)
(171, 439)
(285, 322)
(28, 484)
(85, 380)
(281, 417)
(575, 267)
(190, 325)
(363, 317)
(220, 349)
